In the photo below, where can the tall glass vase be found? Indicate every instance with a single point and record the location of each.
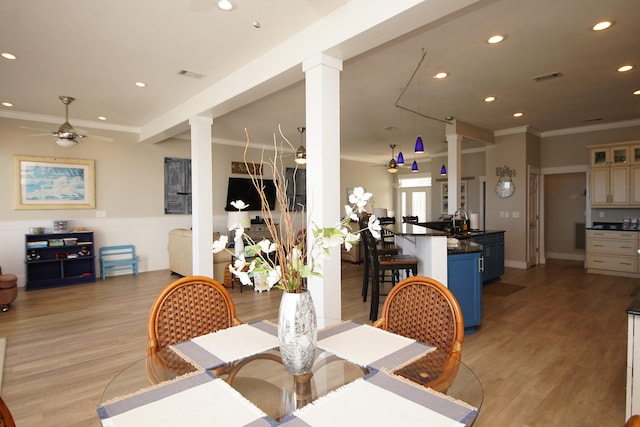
(297, 332)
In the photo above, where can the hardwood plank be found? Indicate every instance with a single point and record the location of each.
(552, 354)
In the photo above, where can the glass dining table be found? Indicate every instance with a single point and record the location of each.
(261, 379)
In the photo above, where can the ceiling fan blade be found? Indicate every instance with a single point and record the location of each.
(99, 138)
(42, 130)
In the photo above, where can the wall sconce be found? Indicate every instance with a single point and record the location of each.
(505, 186)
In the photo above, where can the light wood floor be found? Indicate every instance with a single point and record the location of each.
(551, 354)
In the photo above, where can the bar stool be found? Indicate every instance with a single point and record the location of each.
(8, 290)
(381, 264)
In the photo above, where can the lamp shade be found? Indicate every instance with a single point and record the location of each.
(380, 212)
(414, 166)
(400, 159)
(65, 142)
(301, 155)
(237, 218)
(419, 145)
(443, 170)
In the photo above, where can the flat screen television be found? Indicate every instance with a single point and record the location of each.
(243, 189)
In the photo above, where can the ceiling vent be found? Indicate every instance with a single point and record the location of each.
(191, 74)
(547, 76)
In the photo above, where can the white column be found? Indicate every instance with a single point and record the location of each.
(323, 172)
(454, 173)
(201, 195)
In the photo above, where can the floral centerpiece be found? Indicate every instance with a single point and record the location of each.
(289, 257)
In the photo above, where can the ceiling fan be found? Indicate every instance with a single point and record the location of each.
(66, 135)
(394, 165)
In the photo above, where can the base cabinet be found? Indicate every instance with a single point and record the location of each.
(493, 254)
(612, 251)
(59, 259)
(465, 281)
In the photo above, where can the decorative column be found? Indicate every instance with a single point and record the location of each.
(323, 173)
(454, 173)
(201, 195)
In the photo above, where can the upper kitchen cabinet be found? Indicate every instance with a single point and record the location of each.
(615, 175)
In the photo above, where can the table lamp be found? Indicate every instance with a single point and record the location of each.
(235, 219)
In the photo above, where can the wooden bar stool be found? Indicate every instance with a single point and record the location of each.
(381, 264)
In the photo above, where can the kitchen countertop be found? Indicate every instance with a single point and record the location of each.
(634, 307)
(464, 247)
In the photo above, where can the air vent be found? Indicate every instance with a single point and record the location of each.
(548, 76)
(191, 74)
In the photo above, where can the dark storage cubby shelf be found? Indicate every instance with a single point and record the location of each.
(50, 266)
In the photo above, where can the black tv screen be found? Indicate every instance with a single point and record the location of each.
(243, 189)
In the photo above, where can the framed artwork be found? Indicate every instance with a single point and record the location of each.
(254, 169)
(54, 183)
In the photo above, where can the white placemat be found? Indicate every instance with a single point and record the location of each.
(364, 344)
(226, 345)
(196, 401)
(366, 404)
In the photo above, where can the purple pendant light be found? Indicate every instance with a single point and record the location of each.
(414, 166)
(419, 145)
(400, 159)
(443, 170)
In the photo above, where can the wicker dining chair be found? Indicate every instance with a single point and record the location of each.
(633, 421)
(6, 419)
(425, 310)
(187, 308)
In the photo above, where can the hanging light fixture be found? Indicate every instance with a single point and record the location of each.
(443, 170)
(414, 166)
(301, 152)
(400, 159)
(392, 166)
(419, 145)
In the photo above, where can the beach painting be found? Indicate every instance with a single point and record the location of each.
(54, 183)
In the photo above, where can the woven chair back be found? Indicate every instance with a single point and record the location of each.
(423, 309)
(6, 419)
(187, 308)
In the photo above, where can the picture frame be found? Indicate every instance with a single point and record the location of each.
(54, 183)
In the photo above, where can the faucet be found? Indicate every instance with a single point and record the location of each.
(463, 217)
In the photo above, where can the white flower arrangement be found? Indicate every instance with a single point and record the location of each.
(289, 272)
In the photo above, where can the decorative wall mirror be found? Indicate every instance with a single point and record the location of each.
(505, 187)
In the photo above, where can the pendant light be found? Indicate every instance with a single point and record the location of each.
(443, 170)
(419, 145)
(392, 166)
(400, 159)
(414, 166)
(301, 152)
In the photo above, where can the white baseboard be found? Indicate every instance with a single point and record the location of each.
(567, 256)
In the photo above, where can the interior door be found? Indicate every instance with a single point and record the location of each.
(533, 217)
(415, 201)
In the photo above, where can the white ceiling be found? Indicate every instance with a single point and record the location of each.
(96, 50)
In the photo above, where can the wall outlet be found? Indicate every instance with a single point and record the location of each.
(601, 214)
(515, 214)
(501, 214)
(101, 214)
(506, 214)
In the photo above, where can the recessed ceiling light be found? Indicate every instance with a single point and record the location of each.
(518, 114)
(225, 5)
(440, 75)
(490, 99)
(602, 25)
(7, 104)
(102, 118)
(636, 92)
(7, 55)
(141, 84)
(625, 68)
(495, 39)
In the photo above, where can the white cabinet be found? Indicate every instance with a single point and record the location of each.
(615, 175)
(614, 252)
